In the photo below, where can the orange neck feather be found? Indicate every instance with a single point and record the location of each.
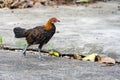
(48, 25)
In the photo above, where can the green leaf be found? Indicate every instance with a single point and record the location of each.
(84, 0)
(90, 57)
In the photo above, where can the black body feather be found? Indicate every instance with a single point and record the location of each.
(37, 35)
(19, 32)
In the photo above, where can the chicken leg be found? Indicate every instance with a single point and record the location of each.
(24, 51)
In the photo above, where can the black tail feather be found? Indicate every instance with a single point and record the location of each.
(19, 32)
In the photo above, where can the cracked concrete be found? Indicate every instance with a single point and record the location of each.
(82, 30)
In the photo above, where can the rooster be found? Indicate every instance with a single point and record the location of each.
(37, 35)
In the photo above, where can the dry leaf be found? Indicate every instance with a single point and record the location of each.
(77, 56)
(106, 60)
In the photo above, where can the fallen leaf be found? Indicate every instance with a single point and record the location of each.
(77, 56)
(106, 60)
(90, 57)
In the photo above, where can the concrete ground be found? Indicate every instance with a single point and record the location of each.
(82, 30)
(13, 66)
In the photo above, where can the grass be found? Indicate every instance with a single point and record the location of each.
(1, 42)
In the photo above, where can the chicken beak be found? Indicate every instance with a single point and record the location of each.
(58, 20)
